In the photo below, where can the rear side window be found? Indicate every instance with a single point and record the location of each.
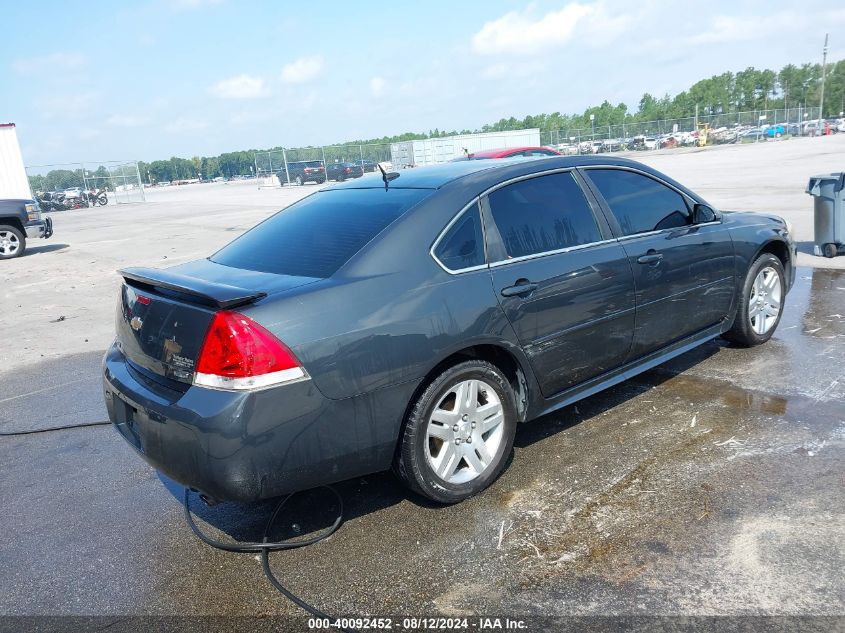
(317, 235)
(639, 203)
(543, 214)
(463, 244)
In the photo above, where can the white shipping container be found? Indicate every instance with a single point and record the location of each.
(440, 150)
(13, 181)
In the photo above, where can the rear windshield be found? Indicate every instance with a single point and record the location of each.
(317, 235)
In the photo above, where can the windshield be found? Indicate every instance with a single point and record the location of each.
(317, 235)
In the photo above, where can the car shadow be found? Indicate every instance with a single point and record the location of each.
(312, 511)
(46, 248)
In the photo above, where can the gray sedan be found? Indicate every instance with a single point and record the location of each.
(413, 321)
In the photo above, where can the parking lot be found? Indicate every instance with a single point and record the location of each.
(711, 485)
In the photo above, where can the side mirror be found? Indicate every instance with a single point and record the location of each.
(701, 213)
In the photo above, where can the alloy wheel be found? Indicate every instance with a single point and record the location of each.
(465, 432)
(9, 243)
(765, 302)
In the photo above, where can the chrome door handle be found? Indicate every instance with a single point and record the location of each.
(652, 257)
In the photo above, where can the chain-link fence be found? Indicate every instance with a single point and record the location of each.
(289, 166)
(734, 127)
(120, 181)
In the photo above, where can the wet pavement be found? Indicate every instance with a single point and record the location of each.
(712, 485)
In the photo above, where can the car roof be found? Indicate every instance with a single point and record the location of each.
(505, 151)
(436, 176)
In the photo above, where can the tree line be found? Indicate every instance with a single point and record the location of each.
(750, 89)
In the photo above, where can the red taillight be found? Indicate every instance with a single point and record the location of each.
(348, 170)
(238, 353)
(144, 301)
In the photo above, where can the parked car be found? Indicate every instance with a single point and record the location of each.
(367, 165)
(305, 171)
(775, 131)
(415, 322)
(511, 152)
(644, 143)
(343, 171)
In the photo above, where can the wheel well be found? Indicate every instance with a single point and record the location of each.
(15, 222)
(781, 251)
(494, 354)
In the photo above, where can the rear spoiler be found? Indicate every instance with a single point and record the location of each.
(215, 294)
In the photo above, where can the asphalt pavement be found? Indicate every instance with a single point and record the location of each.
(712, 485)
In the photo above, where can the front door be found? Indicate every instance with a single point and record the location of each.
(566, 289)
(683, 272)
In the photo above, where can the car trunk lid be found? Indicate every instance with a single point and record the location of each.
(163, 315)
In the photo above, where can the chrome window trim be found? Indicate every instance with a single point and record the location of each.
(475, 201)
(523, 258)
(547, 172)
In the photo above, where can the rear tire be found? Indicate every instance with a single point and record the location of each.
(298, 180)
(459, 433)
(829, 250)
(760, 304)
(12, 242)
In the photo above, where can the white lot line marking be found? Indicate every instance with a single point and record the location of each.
(36, 283)
(37, 391)
(114, 241)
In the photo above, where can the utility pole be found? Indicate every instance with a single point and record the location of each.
(824, 68)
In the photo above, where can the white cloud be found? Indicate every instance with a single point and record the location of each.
(303, 69)
(127, 120)
(736, 28)
(240, 87)
(192, 4)
(377, 86)
(68, 105)
(522, 33)
(184, 124)
(52, 61)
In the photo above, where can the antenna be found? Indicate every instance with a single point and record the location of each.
(387, 176)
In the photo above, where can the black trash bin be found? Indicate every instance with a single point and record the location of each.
(828, 192)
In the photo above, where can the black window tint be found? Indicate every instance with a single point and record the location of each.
(317, 235)
(640, 203)
(463, 245)
(542, 214)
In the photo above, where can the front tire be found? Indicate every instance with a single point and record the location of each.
(760, 304)
(12, 242)
(459, 433)
(298, 180)
(830, 250)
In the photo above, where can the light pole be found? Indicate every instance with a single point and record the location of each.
(593, 124)
(824, 64)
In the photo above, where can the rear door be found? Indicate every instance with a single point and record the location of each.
(683, 272)
(563, 282)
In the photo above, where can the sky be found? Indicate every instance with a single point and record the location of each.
(151, 79)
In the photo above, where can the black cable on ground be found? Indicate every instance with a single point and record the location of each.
(50, 429)
(265, 546)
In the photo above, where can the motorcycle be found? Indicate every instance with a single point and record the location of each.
(96, 197)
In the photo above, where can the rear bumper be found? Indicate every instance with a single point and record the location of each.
(40, 228)
(243, 446)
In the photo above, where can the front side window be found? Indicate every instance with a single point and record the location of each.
(542, 214)
(640, 204)
(463, 244)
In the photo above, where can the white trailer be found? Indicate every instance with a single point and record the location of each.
(443, 149)
(14, 183)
